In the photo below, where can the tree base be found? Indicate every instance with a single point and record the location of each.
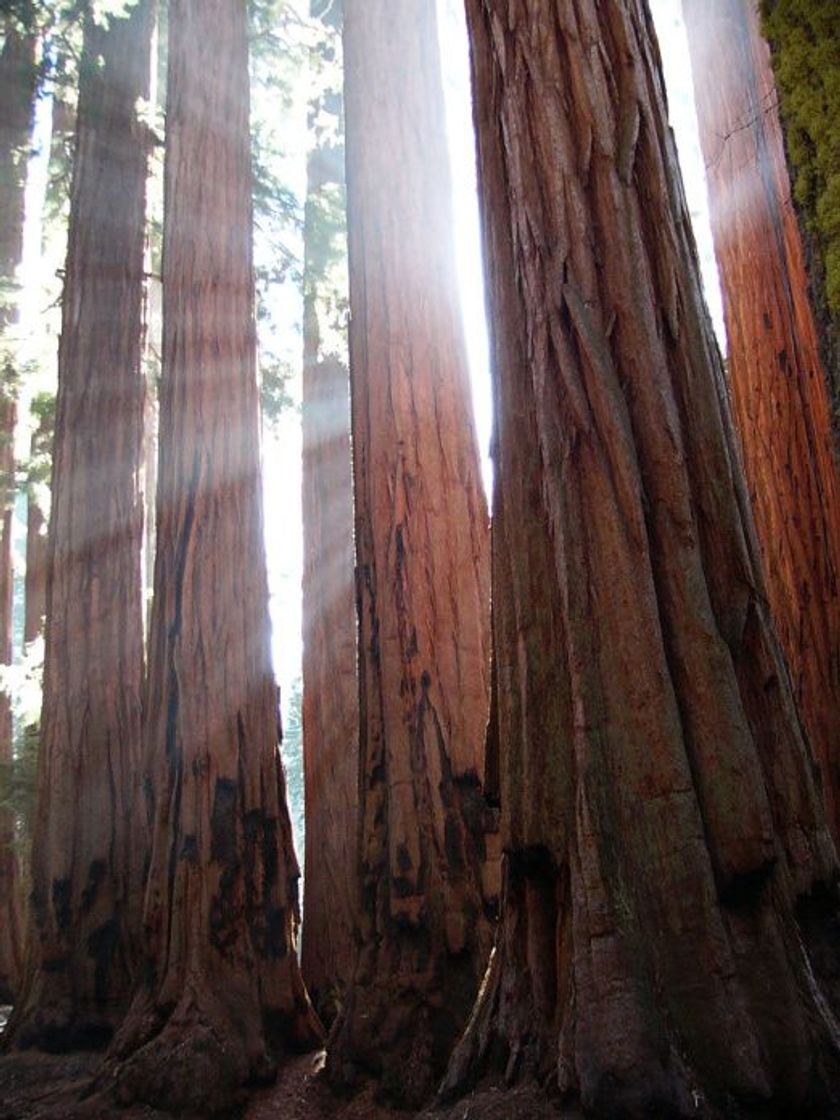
(58, 1027)
(516, 1037)
(203, 1056)
(401, 1039)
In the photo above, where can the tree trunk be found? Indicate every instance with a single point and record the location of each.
(779, 387)
(330, 686)
(221, 990)
(17, 97)
(668, 906)
(83, 917)
(422, 569)
(805, 46)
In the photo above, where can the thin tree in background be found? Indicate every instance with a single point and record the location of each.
(83, 918)
(780, 389)
(666, 944)
(330, 686)
(220, 994)
(38, 475)
(422, 559)
(11, 909)
(18, 75)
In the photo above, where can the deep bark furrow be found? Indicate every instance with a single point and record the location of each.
(649, 904)
(780, 389)
(421, 547)
(83, 925)
(220, 995)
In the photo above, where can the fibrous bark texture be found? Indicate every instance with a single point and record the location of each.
(667, 908)
(805, 40)
(221, 991)
(78, 978)
(330, 686)
(17, 94)
(422, 568)
(779, 387)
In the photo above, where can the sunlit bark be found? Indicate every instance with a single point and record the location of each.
(779, 387)
(220, 993)
(668, 909)
(330, 686)
(422, 561)
(83, 918)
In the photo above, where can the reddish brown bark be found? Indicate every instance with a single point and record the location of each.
(17, 93)
(668, 909)
(330, 686)
(422, 564)
(779, 387)
(221, 991)
(78, 977)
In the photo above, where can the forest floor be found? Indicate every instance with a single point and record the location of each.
(36, 1086)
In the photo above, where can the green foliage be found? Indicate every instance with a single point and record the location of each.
(277, 56)
(325, 283)
(18, 781)
(39, 467)
(292, 754)
(18, 778)
(805, 37)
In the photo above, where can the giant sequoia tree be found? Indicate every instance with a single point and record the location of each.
(805, 40)
(668, 905)
(221, 990)
(79, 968)
(330, 688)
(17, 94)
(779, 387)
(422, 559)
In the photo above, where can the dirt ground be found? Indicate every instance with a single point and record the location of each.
(45, 1087)
(36, 1086)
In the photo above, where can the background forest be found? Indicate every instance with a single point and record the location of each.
(563, 727)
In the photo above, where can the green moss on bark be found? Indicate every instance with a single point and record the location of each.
(805, 39)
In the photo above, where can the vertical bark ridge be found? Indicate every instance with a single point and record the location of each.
(779, 387)
(422, 563)
(221, 996)
(330, 685)
(652, 906)
(83, 924)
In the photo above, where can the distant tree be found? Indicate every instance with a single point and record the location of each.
(422, 570)
(220, 994)
(291, 750)
(668, 929)
(18, 74)
(38, 471)
(330, 686)
(781, 392)
(83, 916)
